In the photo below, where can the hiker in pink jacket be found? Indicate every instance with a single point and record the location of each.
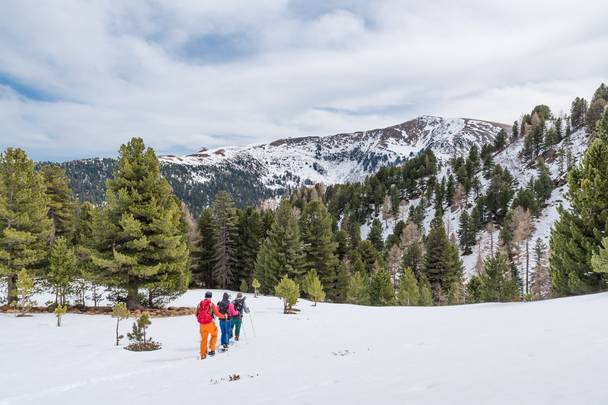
(226, 308)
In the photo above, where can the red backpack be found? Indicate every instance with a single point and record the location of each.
(204, 312)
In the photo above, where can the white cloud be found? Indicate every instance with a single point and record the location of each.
(210, 73)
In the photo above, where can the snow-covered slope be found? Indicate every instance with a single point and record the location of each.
(341, 158)
(548, 352)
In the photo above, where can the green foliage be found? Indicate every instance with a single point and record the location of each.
(140, 327)
(442, 264)
(467, 233)
(498, 285)
(224, 255)
(474, 290)
(24, 225)
(243, 287)
(59, 311)
(381, 289)
(426, 296)
(358, 289)
(202, 275)
(578, 110)
(139, 234)
(120, 312)
(63, 269)
(408, 293)
(23, 292)
(251, 233)
(289, 291)
(311, 285)
(579, 231)
(318, 244)
(255, 284)
(61, 202)
(375, 235)
(599, 260)
(499, 193)
(281, 252)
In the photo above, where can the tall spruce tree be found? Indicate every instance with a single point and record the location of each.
(24, 225)
(202, 275)
(319, 246)
(437, 259)
(63, 269)
(139, 233)
(409, 293)
(381, 289)
(577, 234)
(497, 283)
(250, 237)
(60, 200)
(375, 235)
(226, 228)
(281, 252)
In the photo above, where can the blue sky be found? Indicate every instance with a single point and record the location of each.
(77, 78)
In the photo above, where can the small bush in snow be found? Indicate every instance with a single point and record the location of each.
(120, 312)
(137, 336)
(289, 291)
(60, 310)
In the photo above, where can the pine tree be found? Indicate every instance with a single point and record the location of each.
(282, 251)
(543, 185)
(500, 192)
(369, 255)
(375, 235)
(202, 276)
(249, 238)
(289, 291)
(381, 289)
(358, 289)
(578, 111)
(409, 293)
(63, 269)
(24, 290)
(466, 233)
(24, 225)
(599, 260)
(60, 201)
(318, 244)
(312, 287)
(342, 280)
(255, 284)
(139, 233)
(193, 236)
(426, 296)
(120, 312)
(500, 140)
(474, 290)
(437, 259)
(579, 231)
(497, 283)
(224, 255)
(244, 287)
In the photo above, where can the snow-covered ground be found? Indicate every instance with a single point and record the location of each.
(550, 352)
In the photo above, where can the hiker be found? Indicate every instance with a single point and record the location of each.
(239, 305)
(205, 312)
(227, 309)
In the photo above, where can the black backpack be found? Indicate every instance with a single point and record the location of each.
(222, 306)
(238, 305)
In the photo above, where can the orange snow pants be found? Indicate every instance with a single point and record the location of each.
(206, 330)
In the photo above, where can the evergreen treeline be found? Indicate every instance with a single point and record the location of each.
(145, 246)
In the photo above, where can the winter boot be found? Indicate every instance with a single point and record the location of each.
(212, 353)
(236, 338)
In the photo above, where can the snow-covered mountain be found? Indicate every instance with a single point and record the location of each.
(289, 163)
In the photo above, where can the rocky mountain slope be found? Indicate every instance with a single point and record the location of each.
(254, 173)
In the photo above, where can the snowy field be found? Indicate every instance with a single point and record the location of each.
(551, 352)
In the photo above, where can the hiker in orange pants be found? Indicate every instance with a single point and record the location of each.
(205, 312)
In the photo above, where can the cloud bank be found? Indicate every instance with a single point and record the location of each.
(77, 78)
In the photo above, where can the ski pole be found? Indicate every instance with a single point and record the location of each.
(251, 320)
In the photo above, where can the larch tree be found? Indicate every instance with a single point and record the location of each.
(139, 233)
(540, 283)
(25, 228)
(523, 228)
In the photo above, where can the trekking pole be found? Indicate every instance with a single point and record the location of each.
(251, 320)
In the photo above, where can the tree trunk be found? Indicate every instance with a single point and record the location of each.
(133, 297)
(12, 281)
(117, 338)
(527, 263)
